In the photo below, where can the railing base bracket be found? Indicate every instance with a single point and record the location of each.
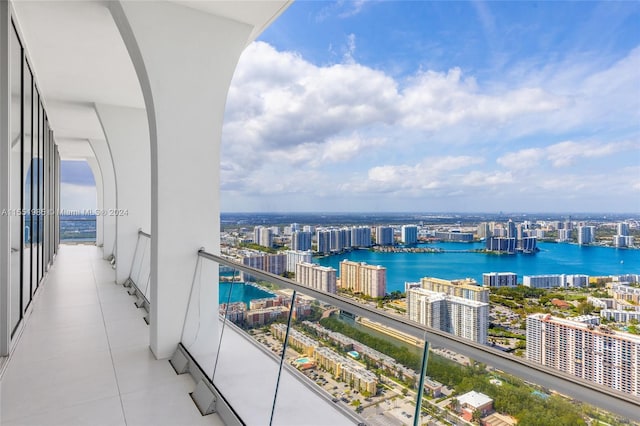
(179, 362)
(204, 398)
(206, 395)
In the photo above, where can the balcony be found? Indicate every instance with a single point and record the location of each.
(83, 356)
(151, 129)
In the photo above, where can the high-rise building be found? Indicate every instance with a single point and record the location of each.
(333, 240)
(318, 277)
(263, 236)
(370, 280)
(623, 239)
(409, 234)
(499, 279)
(586, 234)
(564, 235)
(623, 228)
(454, 236)
(501, 244)
(594, 353)
(384, 235)
(512, 231)
(459, 316)
(345, 235)
(295, 256)
(528, 244)
(361, 236)
(273, 263)
(467, 288)
(323, 239)
(484, 230)
(301, 240)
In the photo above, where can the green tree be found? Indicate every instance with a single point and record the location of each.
(475, 416)
(585, 308)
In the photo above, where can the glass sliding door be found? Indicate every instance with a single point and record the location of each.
(40, 214)
(35, 238)
(27, 281)
(16, 190)
(47, 193)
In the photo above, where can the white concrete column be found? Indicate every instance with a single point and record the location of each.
(5, 162)
(109, 194)
(127, 133)
(97, 176)
(184, 59)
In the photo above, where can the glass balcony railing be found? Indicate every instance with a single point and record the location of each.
(284, 354)
(140, 273)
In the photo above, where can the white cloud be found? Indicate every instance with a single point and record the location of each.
(429, 174)
(350, 49)
(435, 101)
(484, 179)
(525, 158)
(292, 127)
(565, 153)
(347, 148)
(77, 197)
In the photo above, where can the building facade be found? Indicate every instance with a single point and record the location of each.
(384, 235)
(456, 315)
(409, 234)
(361, 236)
(586, 235)
(499, 279)
(467, 288)
(370, 280)
(322, 278)
(595, 353)
(294, 257)
(301, 241)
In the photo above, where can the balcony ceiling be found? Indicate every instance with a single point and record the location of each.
(79, 59)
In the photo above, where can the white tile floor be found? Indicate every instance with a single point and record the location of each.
(83, 358)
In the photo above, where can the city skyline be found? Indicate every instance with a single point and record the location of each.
(433, 107)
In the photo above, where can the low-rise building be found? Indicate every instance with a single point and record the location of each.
(499, 279)
(619, 315)
(474, 401)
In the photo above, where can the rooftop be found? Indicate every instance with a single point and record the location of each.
(474, 399)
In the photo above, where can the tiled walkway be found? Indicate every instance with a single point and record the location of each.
(84, 358)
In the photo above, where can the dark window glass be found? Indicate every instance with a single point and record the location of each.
(27, 183)
(15, 220)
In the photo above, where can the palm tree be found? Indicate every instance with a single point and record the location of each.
(453, 404)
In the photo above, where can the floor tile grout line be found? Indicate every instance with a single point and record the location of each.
(106, 332)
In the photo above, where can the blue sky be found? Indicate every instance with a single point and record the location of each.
(438, 106)
(77, 186)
